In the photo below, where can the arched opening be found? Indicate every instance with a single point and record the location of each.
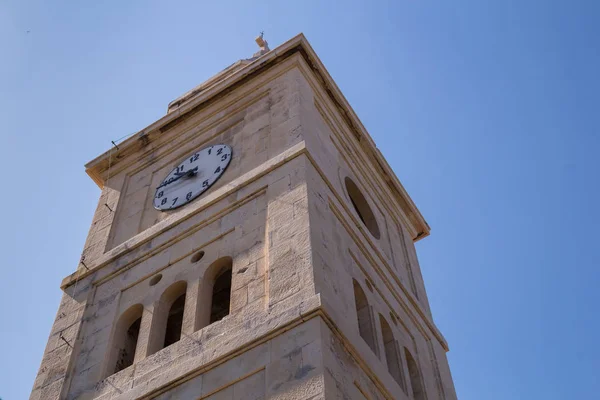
(167, 322)
(175, 321)
(362, 208)
(391, 353)
(221, 296)
(214, 301)
(363, 313)
(415, 376)
(125, 338)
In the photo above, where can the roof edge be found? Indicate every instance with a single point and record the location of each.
(191, 100)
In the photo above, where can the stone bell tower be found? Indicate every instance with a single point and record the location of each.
(251, 244)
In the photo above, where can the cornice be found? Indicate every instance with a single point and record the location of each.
(100, 166)
(307, 312)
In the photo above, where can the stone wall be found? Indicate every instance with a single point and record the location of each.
(282, 215)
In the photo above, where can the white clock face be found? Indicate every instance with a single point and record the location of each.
(192, 177)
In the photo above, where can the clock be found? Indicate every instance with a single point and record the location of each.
(192, 177)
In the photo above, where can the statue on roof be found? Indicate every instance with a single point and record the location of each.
(262, 43)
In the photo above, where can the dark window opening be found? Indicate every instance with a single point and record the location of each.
(175, 321)
(359, 214)
(415, 376)
(391, 353)
(362, 208)
(221, 297)
(197, 257)
(363, 313)
(126, 352)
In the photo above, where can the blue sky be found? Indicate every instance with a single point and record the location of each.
(487, 111)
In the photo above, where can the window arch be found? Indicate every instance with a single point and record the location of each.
(362, 208)
(391, 353)
(215, 298)
(175, 321)
(221, 296)
(415, 376)
(125, 338)
(363, 314)
(167, 321)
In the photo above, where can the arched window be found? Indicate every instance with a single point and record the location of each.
(363, 313)
(175, 321)
(125, 337)
(167, 321)
(391, 353)
(415, 376)
(214, 301)
(361, 206)
(221, 296)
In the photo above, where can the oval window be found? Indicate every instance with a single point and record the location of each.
(197, 257)
(362, 207)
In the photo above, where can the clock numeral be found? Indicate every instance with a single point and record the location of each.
(218, 170)
(188, 196)
(163, 201)
(174, 201)
(224, 157)
(209, 150)
(160, 194)
(194, 157)
(219, 151)
(205, 184)
(179, 169)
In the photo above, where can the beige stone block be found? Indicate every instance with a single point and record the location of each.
(250, 388)
(249, 248)
(304, 384)
(141, 180)
(239, 298)
(295, 340)
(256, 122)
(284, 370)
(293, 230)
(100, 223)
(243, 275)
(256, 289)
(225, 394)
(277, 187)
(134, 202)
(50, 392)
(283, 282)
(255, 221)
(232, 370)
(312, 354)
(127, 228)
(187, 390)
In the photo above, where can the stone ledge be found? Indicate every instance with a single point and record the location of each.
(150, 385)
(296, 45)
(173, 220)
(306, 310)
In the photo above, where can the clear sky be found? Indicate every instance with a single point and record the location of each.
(488, 111)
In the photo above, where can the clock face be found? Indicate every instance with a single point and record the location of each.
(192, 177)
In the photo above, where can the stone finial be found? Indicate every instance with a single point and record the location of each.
(262, 43)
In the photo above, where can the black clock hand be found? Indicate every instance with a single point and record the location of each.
(188, 173)
(169, 181)
(183, 173)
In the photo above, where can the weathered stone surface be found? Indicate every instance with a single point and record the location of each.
(152, 312)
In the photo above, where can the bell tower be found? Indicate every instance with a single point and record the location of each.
(251, 244)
